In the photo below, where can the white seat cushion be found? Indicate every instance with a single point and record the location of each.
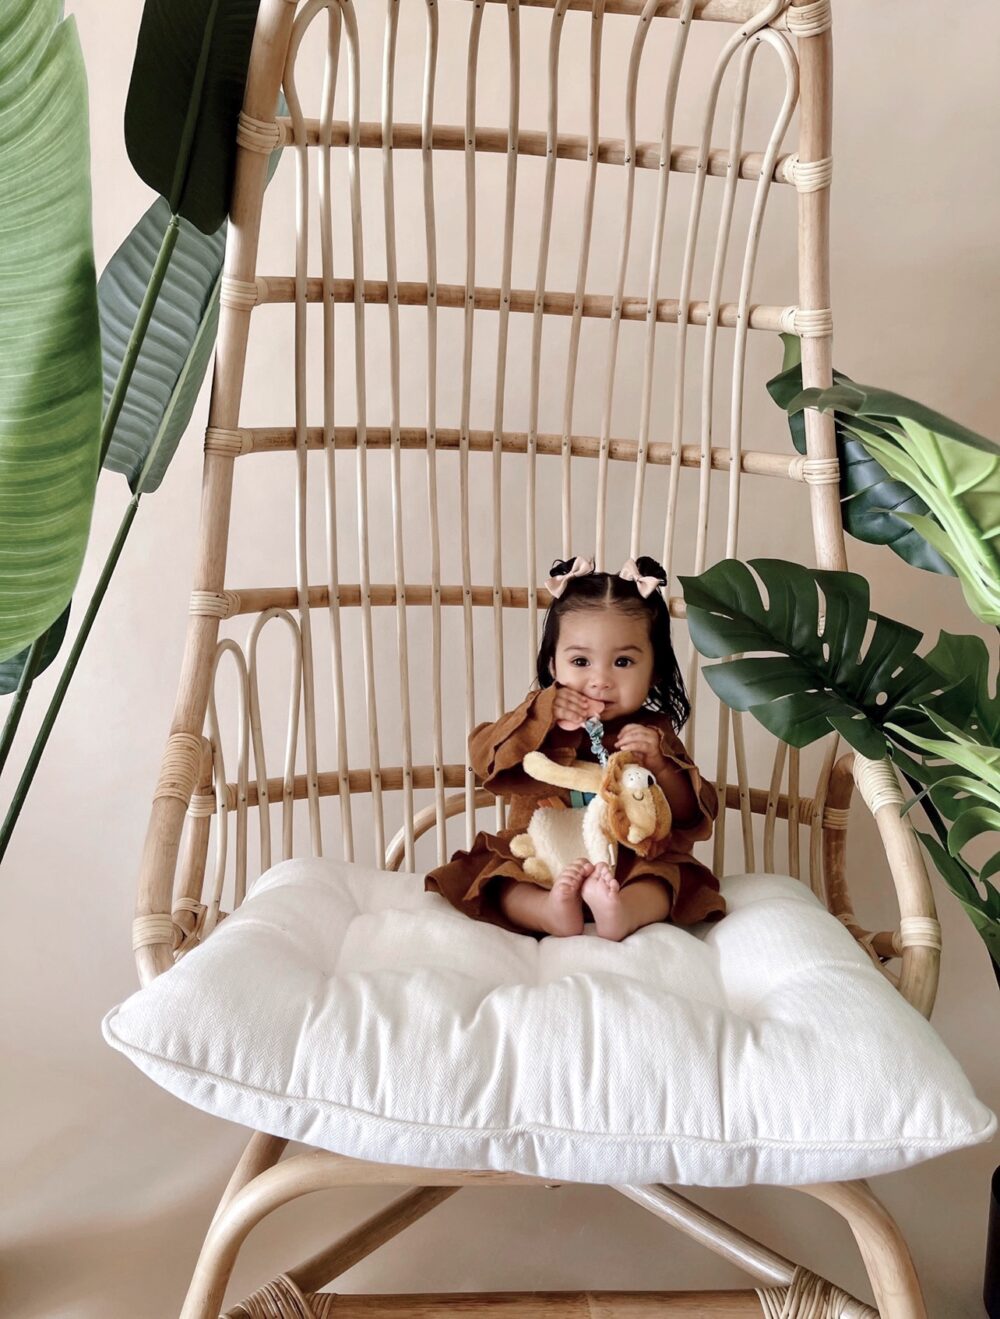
(346, 1008)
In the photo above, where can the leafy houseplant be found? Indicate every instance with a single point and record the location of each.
(148, 326)
(816, 659)
(929, 488)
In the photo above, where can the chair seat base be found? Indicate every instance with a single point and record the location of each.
(508, 1305)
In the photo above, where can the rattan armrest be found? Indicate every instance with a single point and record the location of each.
(918, 939)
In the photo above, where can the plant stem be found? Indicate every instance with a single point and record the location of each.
(64, 679)
(20, 696)
(182, 164)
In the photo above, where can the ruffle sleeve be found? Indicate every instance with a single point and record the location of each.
(496, 750)
(695, 824)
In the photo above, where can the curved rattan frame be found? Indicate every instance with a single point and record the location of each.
(173, 912)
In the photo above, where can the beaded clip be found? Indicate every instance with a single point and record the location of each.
(595, 730)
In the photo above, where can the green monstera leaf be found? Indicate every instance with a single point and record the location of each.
(873, 503)
(952, 469)
(824, 675)
(50, 366)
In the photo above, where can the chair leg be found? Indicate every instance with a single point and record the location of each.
(320, 1269)
(279, 1185)
(883, 1249)
(789, 1290)
(262, 1152)
(886, 1257)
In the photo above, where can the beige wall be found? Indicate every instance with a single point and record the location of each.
(108, 1181)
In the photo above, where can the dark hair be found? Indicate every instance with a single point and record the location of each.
(604, 590)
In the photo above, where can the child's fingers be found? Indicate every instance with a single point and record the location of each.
(570, 701)
(632, 730)
(640, 731)
(636, 742)
(571, 709)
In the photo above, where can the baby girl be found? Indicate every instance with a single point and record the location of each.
(605, 653)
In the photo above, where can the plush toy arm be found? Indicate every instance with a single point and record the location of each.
(580, 775)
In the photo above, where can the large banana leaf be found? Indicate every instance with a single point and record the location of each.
(872, 502)
(885, 409)
(956, 731)
(971, 797)
(184, 101)
(825, 674)
(961, 485)
(50, 369)
(178, 344)
(955, 471)
(169, 367)
(177, 349)
(11, 669)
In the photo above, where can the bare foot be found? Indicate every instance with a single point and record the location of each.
(602, 894)
(564, 906)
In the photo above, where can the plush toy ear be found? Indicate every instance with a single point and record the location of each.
(618, 821)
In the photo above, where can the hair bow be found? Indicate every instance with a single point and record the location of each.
(645, 585)
(579, 568)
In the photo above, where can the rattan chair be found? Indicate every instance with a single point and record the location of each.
(440, 516)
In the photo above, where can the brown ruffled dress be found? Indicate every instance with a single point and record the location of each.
(471, 880)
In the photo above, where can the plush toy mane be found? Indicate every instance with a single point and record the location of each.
(617, 819)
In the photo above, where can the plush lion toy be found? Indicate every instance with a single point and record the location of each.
(628, 807)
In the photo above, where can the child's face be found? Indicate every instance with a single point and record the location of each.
(605, 654)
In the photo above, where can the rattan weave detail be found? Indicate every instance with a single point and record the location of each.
(808, 1297)
(215, 604)
(807, 323)
(877, 783)
(821, 471)
(920, 932)
(262, 135)
(810, 20)
(232, 443)
(154, 929)
(277, 1299)
(241, 293)
(835, 817)
(808, 175)
(179, 771)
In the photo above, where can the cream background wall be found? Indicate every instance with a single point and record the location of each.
(109, 1183)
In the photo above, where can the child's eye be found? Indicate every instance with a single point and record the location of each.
(578, 660)
(624, 659)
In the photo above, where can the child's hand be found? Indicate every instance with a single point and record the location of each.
(573, 709)
(644, 743)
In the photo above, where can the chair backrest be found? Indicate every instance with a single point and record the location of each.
(518, 322)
